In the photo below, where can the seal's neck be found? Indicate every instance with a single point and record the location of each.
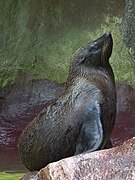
(92, 75)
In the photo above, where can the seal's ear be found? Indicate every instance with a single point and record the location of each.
(82, 59)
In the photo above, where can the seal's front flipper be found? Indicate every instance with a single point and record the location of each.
(91, 132)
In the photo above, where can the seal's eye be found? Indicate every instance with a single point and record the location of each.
(94, 48)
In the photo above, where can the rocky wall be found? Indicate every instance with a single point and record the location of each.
(38, 37)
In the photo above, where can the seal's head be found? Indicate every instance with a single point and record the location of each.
(94, 55)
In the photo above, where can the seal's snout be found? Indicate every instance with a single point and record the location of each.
(108, 34)
(107, 45)
(105, 38)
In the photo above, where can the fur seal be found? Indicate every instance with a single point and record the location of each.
(82, 118)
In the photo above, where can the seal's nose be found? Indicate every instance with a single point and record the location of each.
(107, 34)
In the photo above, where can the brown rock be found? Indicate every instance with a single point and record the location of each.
(125, 120)
(112, 164)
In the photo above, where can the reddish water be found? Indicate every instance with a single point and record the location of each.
(16, 113)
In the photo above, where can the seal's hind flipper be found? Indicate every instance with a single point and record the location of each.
(91, 132)
(108, 144)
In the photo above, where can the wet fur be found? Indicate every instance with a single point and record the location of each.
(80, 120)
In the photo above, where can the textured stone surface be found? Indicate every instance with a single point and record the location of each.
(113, 164)
(125, 120)
(38, 37)
(31, 176)
(129, 23)
(128, 29)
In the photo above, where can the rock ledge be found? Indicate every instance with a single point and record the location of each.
(117, 163)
